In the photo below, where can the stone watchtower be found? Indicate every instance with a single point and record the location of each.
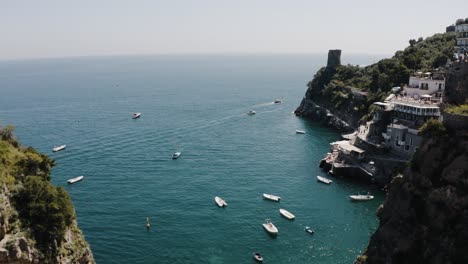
(334, 58)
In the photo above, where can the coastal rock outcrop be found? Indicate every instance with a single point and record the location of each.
(424, 218)
(37, 220)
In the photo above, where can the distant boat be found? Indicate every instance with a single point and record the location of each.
(300, 132)
(76, 179)
(176, 155)
(258, 257)
(277, 101)
(324, 180)
(309, 230)
(271, 197)
(251, 112)
(59, 148)
(220, 202)
(287, 214)
(148, 225)
(136, 115)
(270, 227)
(361, 197)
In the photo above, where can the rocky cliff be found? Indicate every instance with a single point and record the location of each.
(424, 218)
(37, 220)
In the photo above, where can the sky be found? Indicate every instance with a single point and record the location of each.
(63, 28)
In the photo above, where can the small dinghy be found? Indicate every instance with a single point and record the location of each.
(300, 132)
(287, 214)
(309, 230)
(361, 197)
(59, 148)
(220, 202)
(271, 197)
(258, 257)
(136, 115)
(176, 155)
(324, 180)
(270, 227)
(76, 179)
(251, 112)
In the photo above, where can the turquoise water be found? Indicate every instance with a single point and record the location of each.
(196, 105)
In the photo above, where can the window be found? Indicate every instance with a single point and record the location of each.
(411, 141)
(406, 148)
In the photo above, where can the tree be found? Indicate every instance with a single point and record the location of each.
(433, 128)
(6, 133)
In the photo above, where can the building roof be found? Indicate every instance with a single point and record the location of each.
(350, 148)
(415, 103)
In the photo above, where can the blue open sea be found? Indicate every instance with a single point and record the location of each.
(195, 104)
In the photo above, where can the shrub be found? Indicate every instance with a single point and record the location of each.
(46, 209)
(433, 128)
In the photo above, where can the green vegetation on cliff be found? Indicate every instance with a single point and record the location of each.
(348, 87)
(42, 208)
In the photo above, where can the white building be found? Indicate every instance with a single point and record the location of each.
(462, 38)
(418, 86)
(415, 111)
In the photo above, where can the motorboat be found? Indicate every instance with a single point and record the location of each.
(76, 179)
(361, 197)
(324, 180)
(258, 257)
(176, 155)
(59, 148)
(136, 115)
(251, 112)
(287, 214)
(220, 202)
(300, 132)
(309, 230)
(277, 101)
(271, 197)
(270, 227)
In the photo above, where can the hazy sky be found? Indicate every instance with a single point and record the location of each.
(47, 28)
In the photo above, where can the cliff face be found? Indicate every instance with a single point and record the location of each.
(424, 218)
(37, 219)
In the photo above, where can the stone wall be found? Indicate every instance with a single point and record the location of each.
(456, 88)
(455, 122)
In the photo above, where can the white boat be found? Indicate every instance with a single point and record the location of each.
(220, 202)
(258, 257)
(309, 230)
(277, 101)
(324, 180)
(251, 112)
(136, 115)
(76, 179)
(300, 132)
(59, 148)
(287, 214)
(271, 197)
(270, 227)
(361, 197)
(176, 155)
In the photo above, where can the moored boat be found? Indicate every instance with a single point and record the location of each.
(324, 180)
(136, 115)
(287, 214)
(76, 179)
(271, 197)
(309, 230)
(220, 202)
(176, 155)
(270, 227)
(361, 197)
(59, 148)
(300, 131)
(258, 257)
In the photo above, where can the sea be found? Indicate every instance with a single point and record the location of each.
(195, 104)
